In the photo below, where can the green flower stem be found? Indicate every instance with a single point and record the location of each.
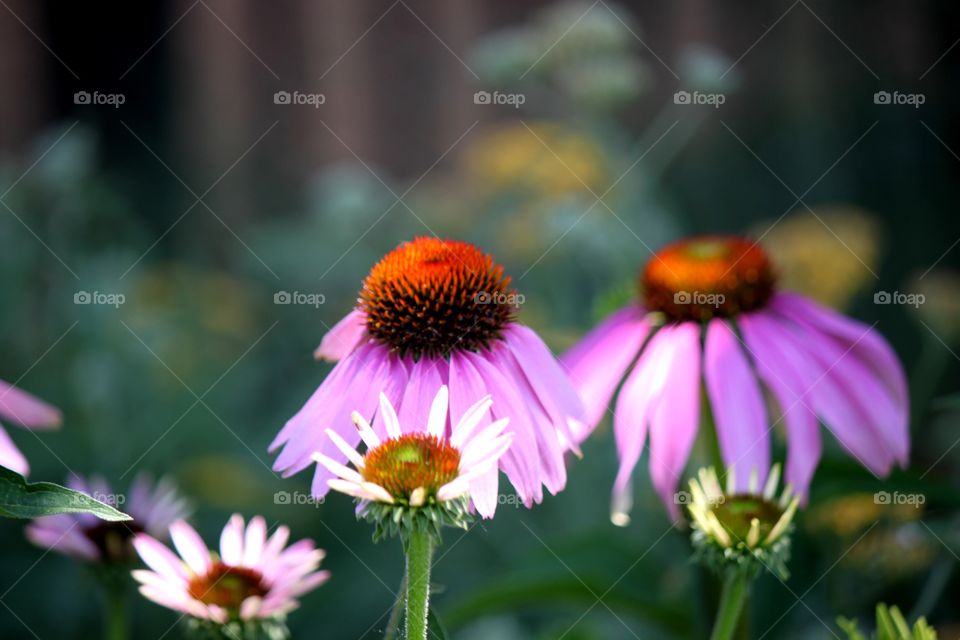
(419, 559)
(735, 589)
(115, 615)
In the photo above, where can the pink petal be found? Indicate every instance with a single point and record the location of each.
(424, 381)
(231, 541)
(737, 405)
(256, 537)
(190, 546)
(878, 366)
(159, 558)
(466, 387)
(773, 357)
(631, 418)
(676, 416)
(548, 381)
(599, 362)
(70, 541)
(343, 338)
(10, 456)
(27, 410)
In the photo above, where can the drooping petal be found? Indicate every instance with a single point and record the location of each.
(598, 363)
(775, 368)
(343, 338)
(676, 416)
(737, 405)
(549, 382)
(437, 421)
(870, 359)
(631, 419)
(828, 394)
(424, 381)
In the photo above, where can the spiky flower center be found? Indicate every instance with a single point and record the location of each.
(113, 539)
(412, 461)
(431, 296)
(706, 277)
(737, 513)
(227, 586)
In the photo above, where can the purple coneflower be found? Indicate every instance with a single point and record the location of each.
(27, 411)
(153, 508)
(253, 578)
(418, 465)
(711, 316)
(435, 312)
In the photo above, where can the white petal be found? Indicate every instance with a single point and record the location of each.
(389, 416)
(453, 489)
(418, 497)
(190, 546)
(437, 422)
(351, 453)
(380, 494)
(367, 434)
(337, 469)
(253, 542)
(231, 541)
(349, 488)
(469, 421)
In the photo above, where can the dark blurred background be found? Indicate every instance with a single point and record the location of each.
(198, 158)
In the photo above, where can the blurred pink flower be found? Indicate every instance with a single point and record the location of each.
(27, 411)
(254, 577)
(153, 507)
(814, 362)
(435, 312)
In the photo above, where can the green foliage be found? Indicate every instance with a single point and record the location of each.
(20, 499)
(891, 625)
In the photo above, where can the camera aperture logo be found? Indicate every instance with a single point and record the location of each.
(99, 298)
(699, 98)
(898, 297)
(299, 298)
(510, 99)
(899, 98)
(700, 298)
(299, 98)
(97, 98)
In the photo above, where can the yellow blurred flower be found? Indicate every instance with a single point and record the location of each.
(849, 515)
(940, 308)
(545, 158)
(830, 258)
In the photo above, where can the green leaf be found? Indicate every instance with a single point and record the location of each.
(435, 627)
(20, 499)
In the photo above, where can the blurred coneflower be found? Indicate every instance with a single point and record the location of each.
(153, 507)
(245, 590)
(26, 410)
(712, 315)
(440, 312)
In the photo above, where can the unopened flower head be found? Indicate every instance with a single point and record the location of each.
(710, 315)
(438, 312)
(247, 588)
(742, 531)
(419, 476)
(154, 506)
